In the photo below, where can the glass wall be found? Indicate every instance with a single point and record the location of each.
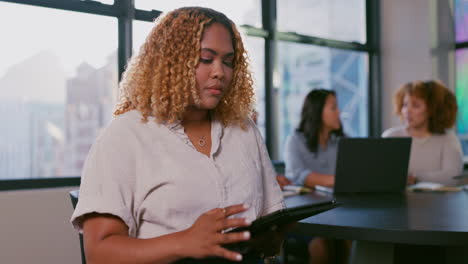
(256, 51)
(461, 91)
(303, 68)
(461, 20)
(140, 30)
(461, 57)
(242, 12)
(333, 19)
(58, 80)
(59, 72)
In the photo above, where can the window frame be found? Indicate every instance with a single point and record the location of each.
(125, 12)
(372, 47)
(459, 46)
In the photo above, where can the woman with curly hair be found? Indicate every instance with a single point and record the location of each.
(181, 162)
(428, 109)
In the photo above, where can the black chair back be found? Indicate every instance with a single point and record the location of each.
(279, 166)
(74, 194)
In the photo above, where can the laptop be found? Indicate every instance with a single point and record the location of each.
(372, 165)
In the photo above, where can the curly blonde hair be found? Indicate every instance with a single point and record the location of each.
(160, 80)
(440, 102)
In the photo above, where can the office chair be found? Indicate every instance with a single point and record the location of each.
(279, 166)
(74, 199)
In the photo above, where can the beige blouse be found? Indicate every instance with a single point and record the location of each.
(152, 177)
(437, 158)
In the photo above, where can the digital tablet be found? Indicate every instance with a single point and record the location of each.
(279, 218)
(287, 215)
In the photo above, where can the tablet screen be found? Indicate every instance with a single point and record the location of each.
(287, 215)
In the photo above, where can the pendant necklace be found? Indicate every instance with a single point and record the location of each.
(202, 141)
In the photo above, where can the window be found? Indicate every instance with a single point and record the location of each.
(141, 29)
(323, 44)
(461, 20)
(256, 51)
(334, 19)
(58, 79)
(107, 2)
(303, 68)
(461, 57)
(461, 91)
(59, 74)
(243, 12)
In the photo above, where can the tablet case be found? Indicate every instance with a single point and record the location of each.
(279, 218)
(286, 215)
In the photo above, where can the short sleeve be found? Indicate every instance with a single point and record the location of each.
(108, 178)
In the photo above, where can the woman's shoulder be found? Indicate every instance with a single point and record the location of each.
(114, 130)
(448, 136)
(399, 131)
(448, 141)
(120, 123)
(125, 125)
(131, 117)
(251, 129)
(295, 138)
(294, 134)
(246, 125)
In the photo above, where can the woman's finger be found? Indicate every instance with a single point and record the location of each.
(227, 254)
(235, 209)
(215, 211)
(228, 238)
(232, 223)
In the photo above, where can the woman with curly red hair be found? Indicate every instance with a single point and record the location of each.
(428, 110)
(181, 162)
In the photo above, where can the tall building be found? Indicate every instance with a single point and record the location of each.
(46, 139)
(90, 99)
(31, 110)
(15, 142)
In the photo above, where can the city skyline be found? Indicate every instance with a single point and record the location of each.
(51, 138)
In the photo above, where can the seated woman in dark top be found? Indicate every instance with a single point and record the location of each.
(310, 160)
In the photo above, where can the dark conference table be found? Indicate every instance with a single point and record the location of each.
(377, 222)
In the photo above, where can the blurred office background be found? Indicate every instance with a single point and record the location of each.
(61, 61)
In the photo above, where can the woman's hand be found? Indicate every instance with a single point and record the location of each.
(411, 179)
(314, 178)
(205, 237)
(329, 181)
(282, 181)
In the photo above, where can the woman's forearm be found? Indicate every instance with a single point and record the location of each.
(319, 179)
(106, 239)
(123, 249)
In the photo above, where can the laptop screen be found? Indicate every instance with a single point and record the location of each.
(372, 164)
